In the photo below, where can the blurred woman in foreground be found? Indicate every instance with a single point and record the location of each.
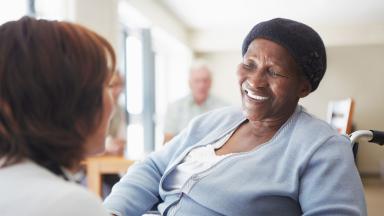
(55, 107)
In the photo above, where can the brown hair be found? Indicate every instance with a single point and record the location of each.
(52, 76)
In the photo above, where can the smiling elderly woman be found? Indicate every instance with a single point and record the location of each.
(268, 158)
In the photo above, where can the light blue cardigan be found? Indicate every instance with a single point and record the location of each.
(305, 169)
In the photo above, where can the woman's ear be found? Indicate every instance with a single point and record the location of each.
(305, 88)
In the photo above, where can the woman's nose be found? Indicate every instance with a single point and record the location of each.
(257, 79)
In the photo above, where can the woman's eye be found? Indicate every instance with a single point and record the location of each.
(273, 73)
(111, 85)
(248, 66)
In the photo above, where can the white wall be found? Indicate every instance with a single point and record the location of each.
(162, 18)
(335, 35)
(99, 15)
(353, 71)
(223, 66)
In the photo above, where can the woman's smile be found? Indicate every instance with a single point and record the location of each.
(246, 88)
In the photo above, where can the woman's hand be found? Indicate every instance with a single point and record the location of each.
(115, 146)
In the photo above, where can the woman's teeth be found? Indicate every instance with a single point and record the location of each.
(252, 94)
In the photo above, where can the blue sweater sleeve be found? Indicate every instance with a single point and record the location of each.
(330, 183)
(138, 190)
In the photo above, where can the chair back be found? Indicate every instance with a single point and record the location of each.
(340, 113)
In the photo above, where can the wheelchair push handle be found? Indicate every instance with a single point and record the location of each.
(372, 136)
(377, 137)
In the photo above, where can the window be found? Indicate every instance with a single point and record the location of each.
(139, 93)
(14, 10)
(156, 67)
(172, 64)
(52, 10)
(47, 9)
(139, 72)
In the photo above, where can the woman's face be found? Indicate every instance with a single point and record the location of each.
(96, 141)
(270, 82)
(117, 85)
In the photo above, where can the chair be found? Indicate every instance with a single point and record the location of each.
(339, 115)
(97, 166)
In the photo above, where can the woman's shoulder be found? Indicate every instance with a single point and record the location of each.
(218, 120)
(74, 200)
(46, 193)
(223, 115)
(208, 126)
(311, 133)
(313, 125)
(68, 198)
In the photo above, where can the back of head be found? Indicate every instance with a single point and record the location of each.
(52, 76)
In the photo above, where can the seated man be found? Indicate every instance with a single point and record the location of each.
(197, 102)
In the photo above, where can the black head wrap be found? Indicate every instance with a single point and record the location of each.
(301, 41)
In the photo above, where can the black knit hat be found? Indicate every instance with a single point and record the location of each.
(301, 41)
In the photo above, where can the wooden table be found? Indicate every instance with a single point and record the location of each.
(97, 166)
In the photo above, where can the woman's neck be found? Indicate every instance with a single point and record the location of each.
(268, 127)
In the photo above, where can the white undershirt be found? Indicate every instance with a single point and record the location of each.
(198, 160)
